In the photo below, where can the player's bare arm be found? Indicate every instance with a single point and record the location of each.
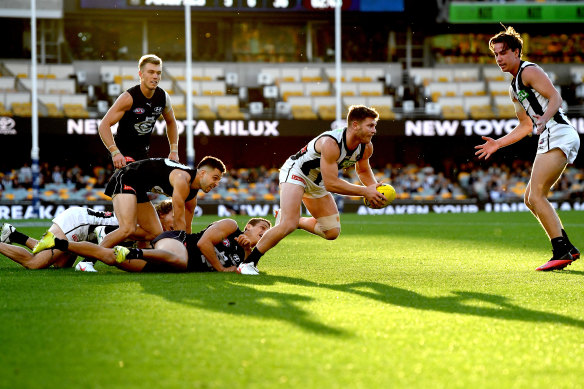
(171, 131)
(113, 115)
(363, 168)
(179, 180)
(189, 214)
(523, 129)
(215, 234)
(329, 151)
(538, 80)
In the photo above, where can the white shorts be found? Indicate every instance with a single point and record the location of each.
(292, 174)
(77, 222)
(560, 136)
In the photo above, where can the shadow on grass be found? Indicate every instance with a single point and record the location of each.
(215, 293)
(459, 302)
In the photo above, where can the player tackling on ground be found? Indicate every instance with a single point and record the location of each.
(312, 174)
(537, 105)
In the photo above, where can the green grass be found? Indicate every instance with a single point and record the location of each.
(424, 301)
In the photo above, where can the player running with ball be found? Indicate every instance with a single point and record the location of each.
(312, 174)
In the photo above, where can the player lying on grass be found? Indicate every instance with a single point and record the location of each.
(74, 224)
(164, 211)
(222, 247)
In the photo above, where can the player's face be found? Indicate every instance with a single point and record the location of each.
(505, 57)
(210, 178)
(366, 129)
(167, 222)
(150, 75)
(255, 233)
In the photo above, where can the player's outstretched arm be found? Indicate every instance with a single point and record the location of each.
(215, 234)
(523, 129)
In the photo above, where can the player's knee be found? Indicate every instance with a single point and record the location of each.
(329, 227)
(126, 230)
(332, 234)
(533, 200)
(288, 226)
(527, 201)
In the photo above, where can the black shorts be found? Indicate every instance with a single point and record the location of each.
(126, 181)
(181, 236)
(159, 268)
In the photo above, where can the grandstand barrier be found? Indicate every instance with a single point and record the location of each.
(278, 127)
(23, 210)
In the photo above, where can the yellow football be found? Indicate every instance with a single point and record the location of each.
(388, 191)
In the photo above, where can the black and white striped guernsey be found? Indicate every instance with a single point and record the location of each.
(308, 159)
(532, 101)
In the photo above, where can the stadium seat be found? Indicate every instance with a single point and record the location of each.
(466, 74)
(452, 108)
(479, 107)
(289, 75)
(195, 86)
(349, 88)
(370, 88)
(288, 89)
(213, 73)
(213, 88)
(494, 73)
(505, 108)
(331, 74)
(22, 109)
(4, 111)
(310, 74)
(498, 88)
(373, 74)
(317, 89)
(7, 84)
(472, 88)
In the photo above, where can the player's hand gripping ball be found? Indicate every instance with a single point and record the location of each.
(388, 191)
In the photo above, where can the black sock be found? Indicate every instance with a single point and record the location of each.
(61, 244)
(559, 244)
(254, 256)
(565, 236)
(92, 260)
(18, 237)
(135, 254)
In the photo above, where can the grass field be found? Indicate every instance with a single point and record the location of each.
(416, 301)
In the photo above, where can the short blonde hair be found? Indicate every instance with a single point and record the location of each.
(149, 58)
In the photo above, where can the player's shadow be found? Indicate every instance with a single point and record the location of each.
(213, 292)
(467, 303)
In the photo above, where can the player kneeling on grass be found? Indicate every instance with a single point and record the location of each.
(312, 174)
(128, 187)
(222, 246)
(164, 211)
